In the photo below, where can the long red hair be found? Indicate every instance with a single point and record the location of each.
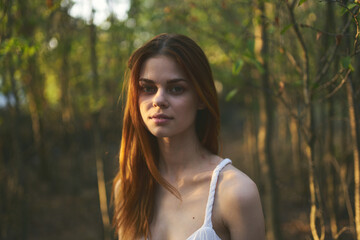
(135, 184)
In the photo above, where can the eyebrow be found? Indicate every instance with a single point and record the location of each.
(174, 80)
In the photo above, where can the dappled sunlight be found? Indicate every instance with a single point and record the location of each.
(286, 74)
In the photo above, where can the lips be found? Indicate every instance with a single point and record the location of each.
(160, 116)
(160, 119)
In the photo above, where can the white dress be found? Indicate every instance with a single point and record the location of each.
(206, 231)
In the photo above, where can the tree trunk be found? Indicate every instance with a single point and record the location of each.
(14, 179)
(315, 212)
(14, 110)
(295, 150)
(97, 142)
(355, 149)
(250, 136)
(265, 134)
(34, 84)
(66, 112)
(330, 182)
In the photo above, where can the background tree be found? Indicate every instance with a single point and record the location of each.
(286, 73)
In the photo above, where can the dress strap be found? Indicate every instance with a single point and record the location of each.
(213, 183)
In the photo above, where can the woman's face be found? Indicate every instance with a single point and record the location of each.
(167, 99)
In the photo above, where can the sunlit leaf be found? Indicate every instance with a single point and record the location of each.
(251, 45)
(231, 94)
(52, 90)
(347, 8)
(352, 5)
(287, 27)
(301, 2)
(351, 67)
(237, 67)
(13, 45)
(259, 67)
(346, 62)
(251, 59)
(297, 83)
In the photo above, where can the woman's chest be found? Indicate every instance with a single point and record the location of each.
(177, 219)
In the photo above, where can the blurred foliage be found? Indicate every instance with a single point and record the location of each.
(48, 97)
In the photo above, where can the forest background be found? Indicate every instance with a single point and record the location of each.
(288, 78)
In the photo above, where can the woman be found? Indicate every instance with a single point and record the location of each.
(166, 187)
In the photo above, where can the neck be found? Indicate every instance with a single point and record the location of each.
(180, 153)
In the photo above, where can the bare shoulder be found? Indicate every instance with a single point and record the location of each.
(235, 185)
(239, 204)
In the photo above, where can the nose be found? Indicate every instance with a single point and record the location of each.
(160, 99)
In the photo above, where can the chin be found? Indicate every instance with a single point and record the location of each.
(160, 134)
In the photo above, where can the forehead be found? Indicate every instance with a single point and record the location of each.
(161, 67)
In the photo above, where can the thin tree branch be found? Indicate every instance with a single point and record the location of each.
(340, 85)
(329, 83)
(333, 51)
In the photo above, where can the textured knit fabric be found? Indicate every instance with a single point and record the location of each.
(206, 231)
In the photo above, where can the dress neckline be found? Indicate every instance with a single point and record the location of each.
(207, 225)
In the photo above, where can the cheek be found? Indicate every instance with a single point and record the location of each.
(143, 107)
(188, 107)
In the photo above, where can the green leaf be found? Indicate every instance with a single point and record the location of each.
(251, 45)
(231, 94)
(352, 5)
(251, 59)
(343, 11)
(13, 45)
(237, 67)
(297, 83)
(346, 62)
(259, 66)
(315, 85)
(351, 67)
(349, 7)
(301, 2)
(287, 27)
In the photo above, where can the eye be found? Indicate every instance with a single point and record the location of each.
(148, 89)
(176, 89)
